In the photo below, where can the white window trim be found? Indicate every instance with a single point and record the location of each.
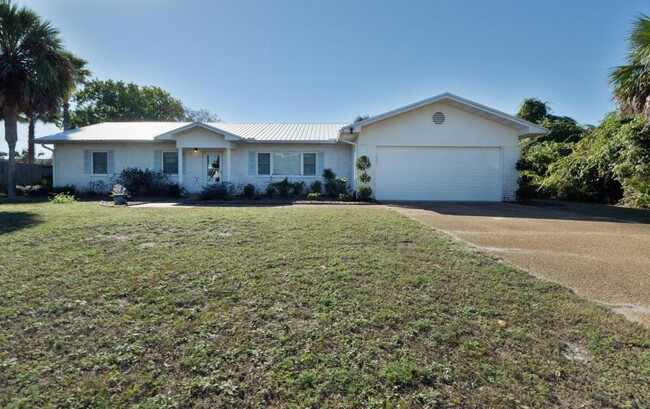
(162, 162)
(271, 174)
(92, 163)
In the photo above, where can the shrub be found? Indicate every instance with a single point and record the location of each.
(174, 190)
(32, 190)
(363, 164)
(62, 198)
(328, 174)
(285, 188)
(272, 191)
(316, 187)
(217, 191)
(144, 182)
(67, 189)
(365, 192)
(334, 186)
(344, 197)
(97, 188)
(313, 196)
(249, 190)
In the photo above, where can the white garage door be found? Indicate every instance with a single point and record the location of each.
(428, 173)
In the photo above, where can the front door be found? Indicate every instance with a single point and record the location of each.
(213, 166)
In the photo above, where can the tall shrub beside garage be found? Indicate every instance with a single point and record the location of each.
(363, 164)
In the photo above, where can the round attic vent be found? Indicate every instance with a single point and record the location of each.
(438, 118)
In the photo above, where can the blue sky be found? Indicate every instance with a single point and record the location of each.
(327, 61)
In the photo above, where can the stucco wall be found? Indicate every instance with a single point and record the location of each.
(460, 128)
(69, 161)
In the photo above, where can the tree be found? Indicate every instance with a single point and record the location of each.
(533, 110)
(102, 101)
(360, 118)
(631, 82)
(200, 115)
(80, 76)
(32, 67)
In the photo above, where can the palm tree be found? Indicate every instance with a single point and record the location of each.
(79, 77)
(631, 82)
(32, 67)
(45, 108)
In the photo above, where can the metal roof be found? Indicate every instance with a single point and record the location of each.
(148, 131)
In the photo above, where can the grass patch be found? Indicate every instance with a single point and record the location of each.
(292, 306)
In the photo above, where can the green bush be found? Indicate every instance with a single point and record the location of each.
(316, 187)
(313, 196)
(67, 189)
(62, 198)
(285, 188)
(144, 182)
(334, 186)
(174, 190)
(217, 191)
(365, 192)
(344, 197)
(249, 190)
(32, 190)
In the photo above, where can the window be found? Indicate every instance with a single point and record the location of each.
(286, 164)
(100, 163)
(170, 163)
(263, 163)
(309, 164)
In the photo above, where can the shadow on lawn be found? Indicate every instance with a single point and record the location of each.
(13, 221)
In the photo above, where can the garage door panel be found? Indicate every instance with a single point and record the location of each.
(435, 173)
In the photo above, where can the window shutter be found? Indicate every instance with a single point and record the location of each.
(252, 163)
(88, 162)
(110, 157)
(157, 160)
(320, 163)
(184, 162)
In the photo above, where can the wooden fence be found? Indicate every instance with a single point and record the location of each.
(26, 174)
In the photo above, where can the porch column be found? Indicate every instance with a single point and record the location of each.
(228, 164)
(180, 166)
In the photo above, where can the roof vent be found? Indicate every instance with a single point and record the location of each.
(438, 118)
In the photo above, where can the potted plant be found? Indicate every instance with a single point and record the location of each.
(119, 194)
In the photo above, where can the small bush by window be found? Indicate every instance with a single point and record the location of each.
(249, 190)
(218, 191)
(334, 186)
(144, 182)
(285, 188)
(316, 187)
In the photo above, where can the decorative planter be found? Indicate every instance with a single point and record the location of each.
(119, 200)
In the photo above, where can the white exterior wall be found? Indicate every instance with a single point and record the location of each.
(69, 161)
(461, 128)
(337, 157)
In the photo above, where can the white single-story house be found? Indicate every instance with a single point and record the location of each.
(442, 148)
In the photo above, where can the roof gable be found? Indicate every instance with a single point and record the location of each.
(523, 127)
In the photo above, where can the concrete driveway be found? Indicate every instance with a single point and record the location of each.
(604, 260)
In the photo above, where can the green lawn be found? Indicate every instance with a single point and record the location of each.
(289, 307)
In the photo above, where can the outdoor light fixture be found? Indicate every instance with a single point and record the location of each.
(350, 129)
(196, 150)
